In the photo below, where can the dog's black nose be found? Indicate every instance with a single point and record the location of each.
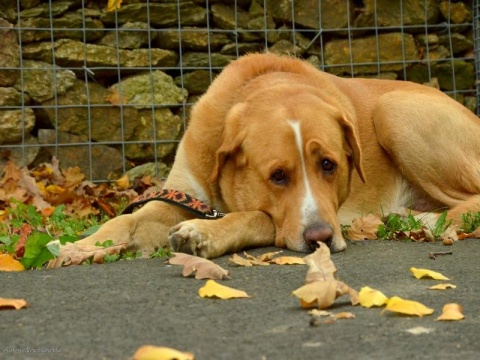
(318, 233)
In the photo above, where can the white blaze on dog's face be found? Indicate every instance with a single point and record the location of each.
(293, 161)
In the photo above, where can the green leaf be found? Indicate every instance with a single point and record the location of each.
(7, 240)
(67, 238)
(91, 230)
(111, 258)
(105, 244)
(54, 248)
(36, 251)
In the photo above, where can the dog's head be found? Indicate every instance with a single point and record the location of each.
(291, 157)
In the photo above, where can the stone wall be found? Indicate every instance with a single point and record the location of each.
(110, 90)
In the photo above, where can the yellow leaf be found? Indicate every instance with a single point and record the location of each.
(114, 5)
(149, 352)
(370, 297)
(8, 263)
(451, 312)
(365, 228)
(54, 189)
(123, 182)
(407, 307)
(12, 303)
(288, 260)
(424, 273)
(214, 289)
(321, 267)
(443, 287)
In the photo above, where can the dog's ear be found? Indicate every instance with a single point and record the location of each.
(353, 141)
(231, 143)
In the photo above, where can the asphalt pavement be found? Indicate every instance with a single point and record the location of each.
(108, 311)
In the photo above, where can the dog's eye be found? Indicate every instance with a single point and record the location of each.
(279, 177)
(328, 166)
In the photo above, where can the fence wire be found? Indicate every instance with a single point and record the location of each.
(110, 89)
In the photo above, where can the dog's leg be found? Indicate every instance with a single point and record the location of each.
(145, 230)
(434, 142)
(213, 238)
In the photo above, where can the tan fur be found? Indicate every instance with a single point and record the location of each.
(396, 144)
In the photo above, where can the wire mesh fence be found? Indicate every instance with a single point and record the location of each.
(108, 86)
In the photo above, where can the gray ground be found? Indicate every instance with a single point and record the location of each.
(108, 311)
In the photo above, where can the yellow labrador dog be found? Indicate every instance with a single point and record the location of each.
(289, 153)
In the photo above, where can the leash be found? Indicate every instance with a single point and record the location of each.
(185, 201)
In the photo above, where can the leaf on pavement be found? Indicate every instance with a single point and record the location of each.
(451, 312)
(76, 254)
(288, 260)
(443, 287)
(321, 287)
(474, 234)
(344, 315)
(149, 352)
(214, 289)
(370, 297)
(238, 260)
(407, 307)
(8, 263)
(203, 268)
(425, 273)
(365, 228)
(16, 304)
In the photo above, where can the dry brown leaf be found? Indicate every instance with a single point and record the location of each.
(321, 287)
(16, 304)
(256, 260)
(475, 234)
(344, 315)
(76, 254)
(268, 257)
(203, 268)
(73, 176)
(287, 260)
(149, 352)
(8, 263)
(321, 267)
(238, 260)
(365, 228)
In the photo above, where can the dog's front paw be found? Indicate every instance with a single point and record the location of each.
(192, 237)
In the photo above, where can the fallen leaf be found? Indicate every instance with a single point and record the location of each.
(443, 287)
(123, 182)
(258, 261)
(370, 297)
(114, 5)
(344, 315)
(419, 330)
(22, 241)
(320, 313)
(451, 312)
(214, 289)
(268, 256)
(149, 352)
(8, 263)
(474, 234)
(365, 228)
(287, 260)
(407, 307)
(76, 254)
(321, 267)
(238, 260)
(203, 268)
(16, 304)
(425, 273)
(320, 294)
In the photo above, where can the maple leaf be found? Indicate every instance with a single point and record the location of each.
(214, 289)
(407, 307)
(203, 268)
(16, 304)
(76, 254)
(424, 273)
(365, 228)
(451, 312)
(149, 352)
(73, 176)
(8, 263)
